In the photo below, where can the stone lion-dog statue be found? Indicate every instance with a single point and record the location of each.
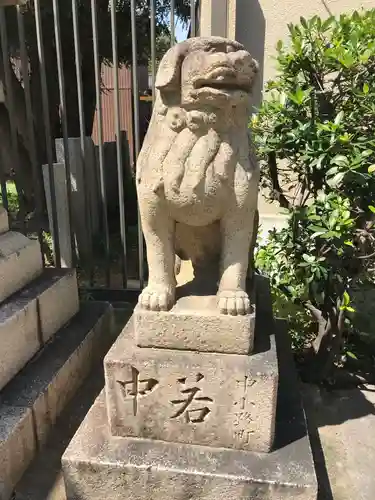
(197, 177)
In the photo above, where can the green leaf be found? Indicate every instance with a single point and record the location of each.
(317, 229)
(347, 60)
(349, 243)
(339, 118)
(372, 208)
(332, 171)
(366, 88)
(327, 23)
(340, 160)
(303, 22)
(371, 169)
(350, 309)
(346, 299)
(298, 97)
(351, 355)
(365, 56)
(336, 180)
(308, 258)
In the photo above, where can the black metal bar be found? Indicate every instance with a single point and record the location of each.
(192, 18)
(4, 195)
(48, 134)
(172, 23)
(153, 46)
(38, 187)
(82, 128)
(120, 173)
(11, 114)
(94, 18)
(64, 121)
(136, 130)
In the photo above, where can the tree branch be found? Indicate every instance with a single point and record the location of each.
(277, 193)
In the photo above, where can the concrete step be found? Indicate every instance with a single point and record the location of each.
(32, 401)
(4, 225)
(31, 316)
(20, 262)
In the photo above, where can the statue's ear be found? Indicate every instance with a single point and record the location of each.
(169, 72)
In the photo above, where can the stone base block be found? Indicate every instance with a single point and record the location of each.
(30, 317)
(97, 465)
(195, 323)
(20, 262)
(31, 402)
(4, 225)
(17, 446)
(222, 400)
(19, 336)
(58, 301)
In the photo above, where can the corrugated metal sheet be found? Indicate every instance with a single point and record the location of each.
(126, 104)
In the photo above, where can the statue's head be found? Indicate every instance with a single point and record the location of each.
(206, 72)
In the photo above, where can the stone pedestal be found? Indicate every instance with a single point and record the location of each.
(175, 424)
(191, 394)
(191, 397)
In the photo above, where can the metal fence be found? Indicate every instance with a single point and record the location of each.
(114, 257)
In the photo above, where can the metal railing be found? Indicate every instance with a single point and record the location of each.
(130, 278)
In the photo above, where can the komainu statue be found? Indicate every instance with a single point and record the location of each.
(197, 177)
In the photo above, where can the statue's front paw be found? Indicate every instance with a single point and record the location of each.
(234, 302)
(157, 298)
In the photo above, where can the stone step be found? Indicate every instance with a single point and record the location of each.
(4, 225)
(20, 262)
(32, 401)
(31, 316)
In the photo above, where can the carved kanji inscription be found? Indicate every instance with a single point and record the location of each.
(193, 406)
(136, 388)
(242, 418)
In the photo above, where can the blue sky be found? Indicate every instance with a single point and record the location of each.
(180, 32)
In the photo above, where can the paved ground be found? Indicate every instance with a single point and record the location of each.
(43, 480)
(343, 422)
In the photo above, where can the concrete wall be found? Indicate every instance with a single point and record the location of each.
(259, 24)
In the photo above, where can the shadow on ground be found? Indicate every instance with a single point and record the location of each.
(341, 425)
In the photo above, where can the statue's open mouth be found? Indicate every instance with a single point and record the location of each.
(223, 80)
(226, 86)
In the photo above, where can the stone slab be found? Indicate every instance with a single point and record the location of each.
(58, 301)
(84, 192)
(31, 316)
(62, 210)
(222, 400)
(4, 224)
(17, 446)
(31, 402)
(19, 336)
(20, 262)
(195, 323)
(98, 466)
